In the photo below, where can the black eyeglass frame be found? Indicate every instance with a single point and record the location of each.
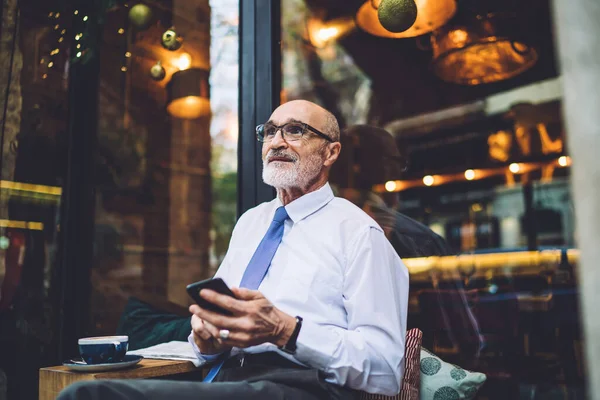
(305, 126)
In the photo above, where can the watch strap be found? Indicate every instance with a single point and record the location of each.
(290, 346)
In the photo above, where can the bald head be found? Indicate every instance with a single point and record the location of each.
(309, 113)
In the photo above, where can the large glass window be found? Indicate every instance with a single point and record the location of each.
(35, 37)
(164, 164)
(465, 166)
(167, 153)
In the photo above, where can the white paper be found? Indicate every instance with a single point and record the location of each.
(175, 350)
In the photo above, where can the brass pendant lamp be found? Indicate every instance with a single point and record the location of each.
(188, 94)
(431, 14)
(490, 49)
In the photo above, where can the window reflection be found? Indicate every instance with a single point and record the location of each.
(469, 183)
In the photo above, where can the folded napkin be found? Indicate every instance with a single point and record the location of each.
(175, 350)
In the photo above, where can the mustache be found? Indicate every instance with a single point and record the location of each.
(281, 154)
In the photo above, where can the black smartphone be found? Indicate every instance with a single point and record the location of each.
(216, 284)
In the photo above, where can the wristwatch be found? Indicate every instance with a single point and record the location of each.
(290, 346)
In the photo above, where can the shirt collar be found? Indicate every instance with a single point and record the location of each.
(308, 204)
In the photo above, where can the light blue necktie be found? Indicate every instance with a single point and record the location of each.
(257, 268)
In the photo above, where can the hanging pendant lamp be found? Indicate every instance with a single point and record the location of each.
(188, 94)
(490, 49)
(431, 14)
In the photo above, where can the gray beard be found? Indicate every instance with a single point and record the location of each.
(297, 174)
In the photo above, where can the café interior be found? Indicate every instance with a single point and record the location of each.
(471, 98)
(475, 152)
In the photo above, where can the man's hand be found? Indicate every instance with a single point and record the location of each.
(205, 334)
(255, 319)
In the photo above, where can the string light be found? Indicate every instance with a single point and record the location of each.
(54, 52)
(78, 54)
(44, 76)
(50, 64)
(76, 12)
(514, 168)
(50, 15)
(478, 174)
(78, 36)
(390, 186)
(124, 68)
(42, 61)
(121, 31)
(56, 27)
(85, 18)
(60, 40)
(63, 31)
(57, 15)
(564, 161)
(127, 54)
(78, 45)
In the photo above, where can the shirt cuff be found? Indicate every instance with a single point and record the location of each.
(207, 358)
(316, 345)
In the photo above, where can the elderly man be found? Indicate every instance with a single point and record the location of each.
(321, 295)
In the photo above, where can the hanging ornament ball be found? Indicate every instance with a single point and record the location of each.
(157, 72)
(171, 40)
(140, 16)
(397, 15)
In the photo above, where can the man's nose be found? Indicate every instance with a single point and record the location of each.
(278, 140)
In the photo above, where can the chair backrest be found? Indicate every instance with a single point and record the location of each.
(411, 379)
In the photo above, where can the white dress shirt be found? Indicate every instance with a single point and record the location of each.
(336, 269)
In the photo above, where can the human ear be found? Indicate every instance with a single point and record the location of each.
(332, 153)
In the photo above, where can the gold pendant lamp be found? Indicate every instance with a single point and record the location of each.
(492, 48)
(431, 14)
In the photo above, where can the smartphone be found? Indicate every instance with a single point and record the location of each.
(216, 284)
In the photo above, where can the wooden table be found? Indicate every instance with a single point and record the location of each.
(55, 379)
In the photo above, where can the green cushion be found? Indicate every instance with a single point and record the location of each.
(444, 381)
(147, 326)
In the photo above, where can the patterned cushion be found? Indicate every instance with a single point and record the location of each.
(412, 373)
(444, 381)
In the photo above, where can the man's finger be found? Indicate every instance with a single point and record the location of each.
(200, 328)
(211, 329)
(224, 301)
(246, 294)
(223, 321)
(194, 308)
(237, 339)
(216, 319)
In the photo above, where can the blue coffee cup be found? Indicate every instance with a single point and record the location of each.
(103, 349)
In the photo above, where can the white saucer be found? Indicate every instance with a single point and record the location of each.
(80, 365)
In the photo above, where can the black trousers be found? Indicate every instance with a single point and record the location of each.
(256, 377)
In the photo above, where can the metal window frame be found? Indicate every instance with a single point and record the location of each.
(76, 221)
(260, 83)
(260, 88)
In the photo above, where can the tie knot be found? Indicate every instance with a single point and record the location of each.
(280, 215)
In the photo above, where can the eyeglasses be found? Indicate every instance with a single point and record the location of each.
(290, 132)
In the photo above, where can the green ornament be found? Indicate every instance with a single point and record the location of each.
(157, 72)
(140, 16)
(171, 40)
(397, 15)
